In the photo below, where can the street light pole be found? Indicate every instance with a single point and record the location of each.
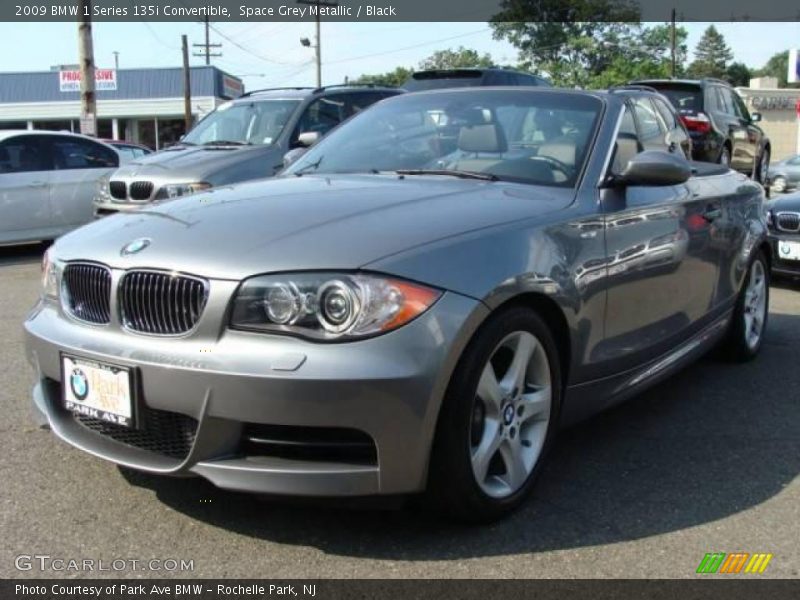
(317, 4)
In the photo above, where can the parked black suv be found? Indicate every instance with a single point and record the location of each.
(722, 129)
(447, 78)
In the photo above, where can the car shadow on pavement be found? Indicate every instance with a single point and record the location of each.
(22, 254)
(712, 441)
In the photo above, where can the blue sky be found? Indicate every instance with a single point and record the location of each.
(269, 54)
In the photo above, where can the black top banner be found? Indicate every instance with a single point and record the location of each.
(400, 10)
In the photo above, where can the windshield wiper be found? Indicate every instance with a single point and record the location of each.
(226, 143)
(451, 172)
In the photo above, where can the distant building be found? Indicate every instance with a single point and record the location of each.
(778, 107)
(138, 105)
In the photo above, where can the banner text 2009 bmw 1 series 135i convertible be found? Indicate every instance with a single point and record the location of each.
(416, 305)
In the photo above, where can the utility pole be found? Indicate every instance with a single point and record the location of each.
(207, 46)
(317, 4)
(116, 60)
(187, 85)
(86, 60)
(672, 44)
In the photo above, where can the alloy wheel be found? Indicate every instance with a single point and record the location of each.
(725, 157)
(755, 305)
(511, 414)
(764, 168)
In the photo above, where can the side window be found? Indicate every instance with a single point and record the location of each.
(738, 103)
(358, 101)
(22, 154)
(627, 144)
(78, 153)
(666, 114)
(722, 102)
(322, 115)
(649, 128)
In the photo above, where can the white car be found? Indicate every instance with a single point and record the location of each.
(48, 181)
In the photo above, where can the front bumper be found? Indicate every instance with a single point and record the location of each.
(388, 387)
(103, 209)
(780, 265)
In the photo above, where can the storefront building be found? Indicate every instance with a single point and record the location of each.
(778, 108)
(138, 105)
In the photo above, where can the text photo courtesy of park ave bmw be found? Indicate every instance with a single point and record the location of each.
(318, 298)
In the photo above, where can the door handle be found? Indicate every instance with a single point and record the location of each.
(712, 213)
(37, 184)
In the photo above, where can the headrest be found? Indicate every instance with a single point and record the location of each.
(482, 138)
(563, 151)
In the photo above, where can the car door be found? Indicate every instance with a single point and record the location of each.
(24, 183)
(661, 270)
(747, 139)
(78, 164)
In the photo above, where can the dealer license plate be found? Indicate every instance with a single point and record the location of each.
(98, 390)
(789, 250)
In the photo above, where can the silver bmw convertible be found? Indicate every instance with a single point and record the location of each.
(417, 305)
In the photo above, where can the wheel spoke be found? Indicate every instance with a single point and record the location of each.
(483, 453)
(535, 404)
(513, 382)
(489, 390)
(516, 472)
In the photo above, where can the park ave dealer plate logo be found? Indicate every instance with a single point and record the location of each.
(135, 246)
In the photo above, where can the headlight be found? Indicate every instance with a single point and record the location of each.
(329, 306)
(102, 194)
(49, 276)
(176, 190)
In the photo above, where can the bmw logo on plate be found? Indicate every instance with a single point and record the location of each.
(79, 384)
(135, 246)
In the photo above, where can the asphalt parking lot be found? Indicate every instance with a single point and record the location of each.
(706, 462)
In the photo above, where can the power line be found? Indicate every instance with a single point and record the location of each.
(249, 51)
(354, 58)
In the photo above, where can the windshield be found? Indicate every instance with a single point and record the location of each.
(685, 98)
(257, 122)
(517, 135)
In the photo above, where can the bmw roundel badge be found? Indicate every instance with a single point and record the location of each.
(79, 384)
(135, 246)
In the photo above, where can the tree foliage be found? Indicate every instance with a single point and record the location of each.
(587, 43)
(455, 59)
(711, 55)
(738, 74)
(394, 78)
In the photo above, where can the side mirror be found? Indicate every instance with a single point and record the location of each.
(755, 117)
(292, 155)
(308, 138)
(655, 168)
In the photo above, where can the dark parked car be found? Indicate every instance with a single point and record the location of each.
(785, 174)
(783, 219)
(242, 139)
(436, 79)
(399, 311)
(722, 129)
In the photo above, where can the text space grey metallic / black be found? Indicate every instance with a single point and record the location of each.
(418, 303)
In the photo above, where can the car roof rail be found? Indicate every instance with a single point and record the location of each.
(633, 86)
(353, 85)
(716, 80)
(275, 89)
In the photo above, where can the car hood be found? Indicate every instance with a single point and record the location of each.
(190, 163)
(790, 202)
(301, 223)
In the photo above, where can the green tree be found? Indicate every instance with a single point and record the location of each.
(711, 55)
(394, 78)
(456, 59)
(738, 74)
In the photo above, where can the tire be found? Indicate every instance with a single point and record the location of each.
(476, 436)
(751, 310)
(762, 169)
(725, 155)
(780, 184)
